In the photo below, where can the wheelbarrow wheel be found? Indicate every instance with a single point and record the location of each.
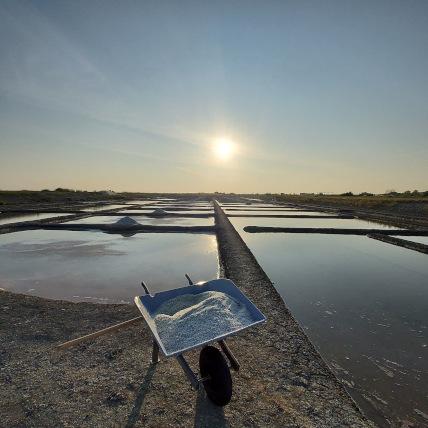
(218, 386)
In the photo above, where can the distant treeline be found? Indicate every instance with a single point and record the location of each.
(393, 193)
(52, 196)
(390, 193)
(61, 194)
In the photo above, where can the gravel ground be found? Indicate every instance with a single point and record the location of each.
(109, 382)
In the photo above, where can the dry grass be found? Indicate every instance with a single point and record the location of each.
(409, 205)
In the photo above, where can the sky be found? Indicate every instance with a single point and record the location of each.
(312, 96)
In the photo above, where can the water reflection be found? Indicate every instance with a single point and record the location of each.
(277, 212)
(364, 304)
(103, 207)
(30, 217)
(162, 221)
(257, 207)
(92, 266)
(241, 222)
(150, 210)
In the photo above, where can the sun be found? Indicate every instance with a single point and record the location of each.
(224, 148)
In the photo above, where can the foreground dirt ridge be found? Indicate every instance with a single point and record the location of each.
(110, 382)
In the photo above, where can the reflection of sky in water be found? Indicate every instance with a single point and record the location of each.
(141, 201)
(163, 221)
(30, 217)
(133, 210)
(103, 207)
(241, 222)
(93, 266)
(211, 211)
(277, 212)
(256, 207)
(149, 211)
(420, 239)
(179, 207)
(364, 304)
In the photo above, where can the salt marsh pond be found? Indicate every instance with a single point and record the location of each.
(29, 217)
(103, 207)
(161, 221)
(103, 268)
(362, 302)
(241, 222)
(275, 212)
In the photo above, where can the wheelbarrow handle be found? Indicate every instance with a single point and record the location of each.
(146, 289)
(188, 279)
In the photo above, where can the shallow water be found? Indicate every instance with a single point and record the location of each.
(141, 202)
(182, 202)
(163, 221)
(176, 206)
(257, 207)
(211, 212)
(241, 222)
(277, 212)
(149, 211)
(364, 304)
(30, 217)
(103, 207)
(135, 210)
(102, 268)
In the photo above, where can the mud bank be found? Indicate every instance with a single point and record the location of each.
(410, 245)
(335, 231)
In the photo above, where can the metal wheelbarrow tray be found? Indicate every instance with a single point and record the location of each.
(214, 370)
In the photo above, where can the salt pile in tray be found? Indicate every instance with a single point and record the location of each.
(195, 318)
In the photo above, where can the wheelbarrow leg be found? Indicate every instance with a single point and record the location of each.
(188, 371)
(155, 352)
(234, 363)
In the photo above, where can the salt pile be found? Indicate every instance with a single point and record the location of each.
(194, 318)
(126, 221)
(159, 212)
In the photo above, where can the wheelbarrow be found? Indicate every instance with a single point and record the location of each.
(214, 369)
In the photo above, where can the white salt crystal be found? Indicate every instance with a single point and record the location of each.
(191, 319)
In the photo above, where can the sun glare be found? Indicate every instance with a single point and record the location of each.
(224, 148)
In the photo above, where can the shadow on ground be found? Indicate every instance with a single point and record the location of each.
(207, 414)
(139, 401)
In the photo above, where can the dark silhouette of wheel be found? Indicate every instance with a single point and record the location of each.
(218, 385)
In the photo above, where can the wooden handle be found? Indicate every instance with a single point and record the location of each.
(98, 333)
